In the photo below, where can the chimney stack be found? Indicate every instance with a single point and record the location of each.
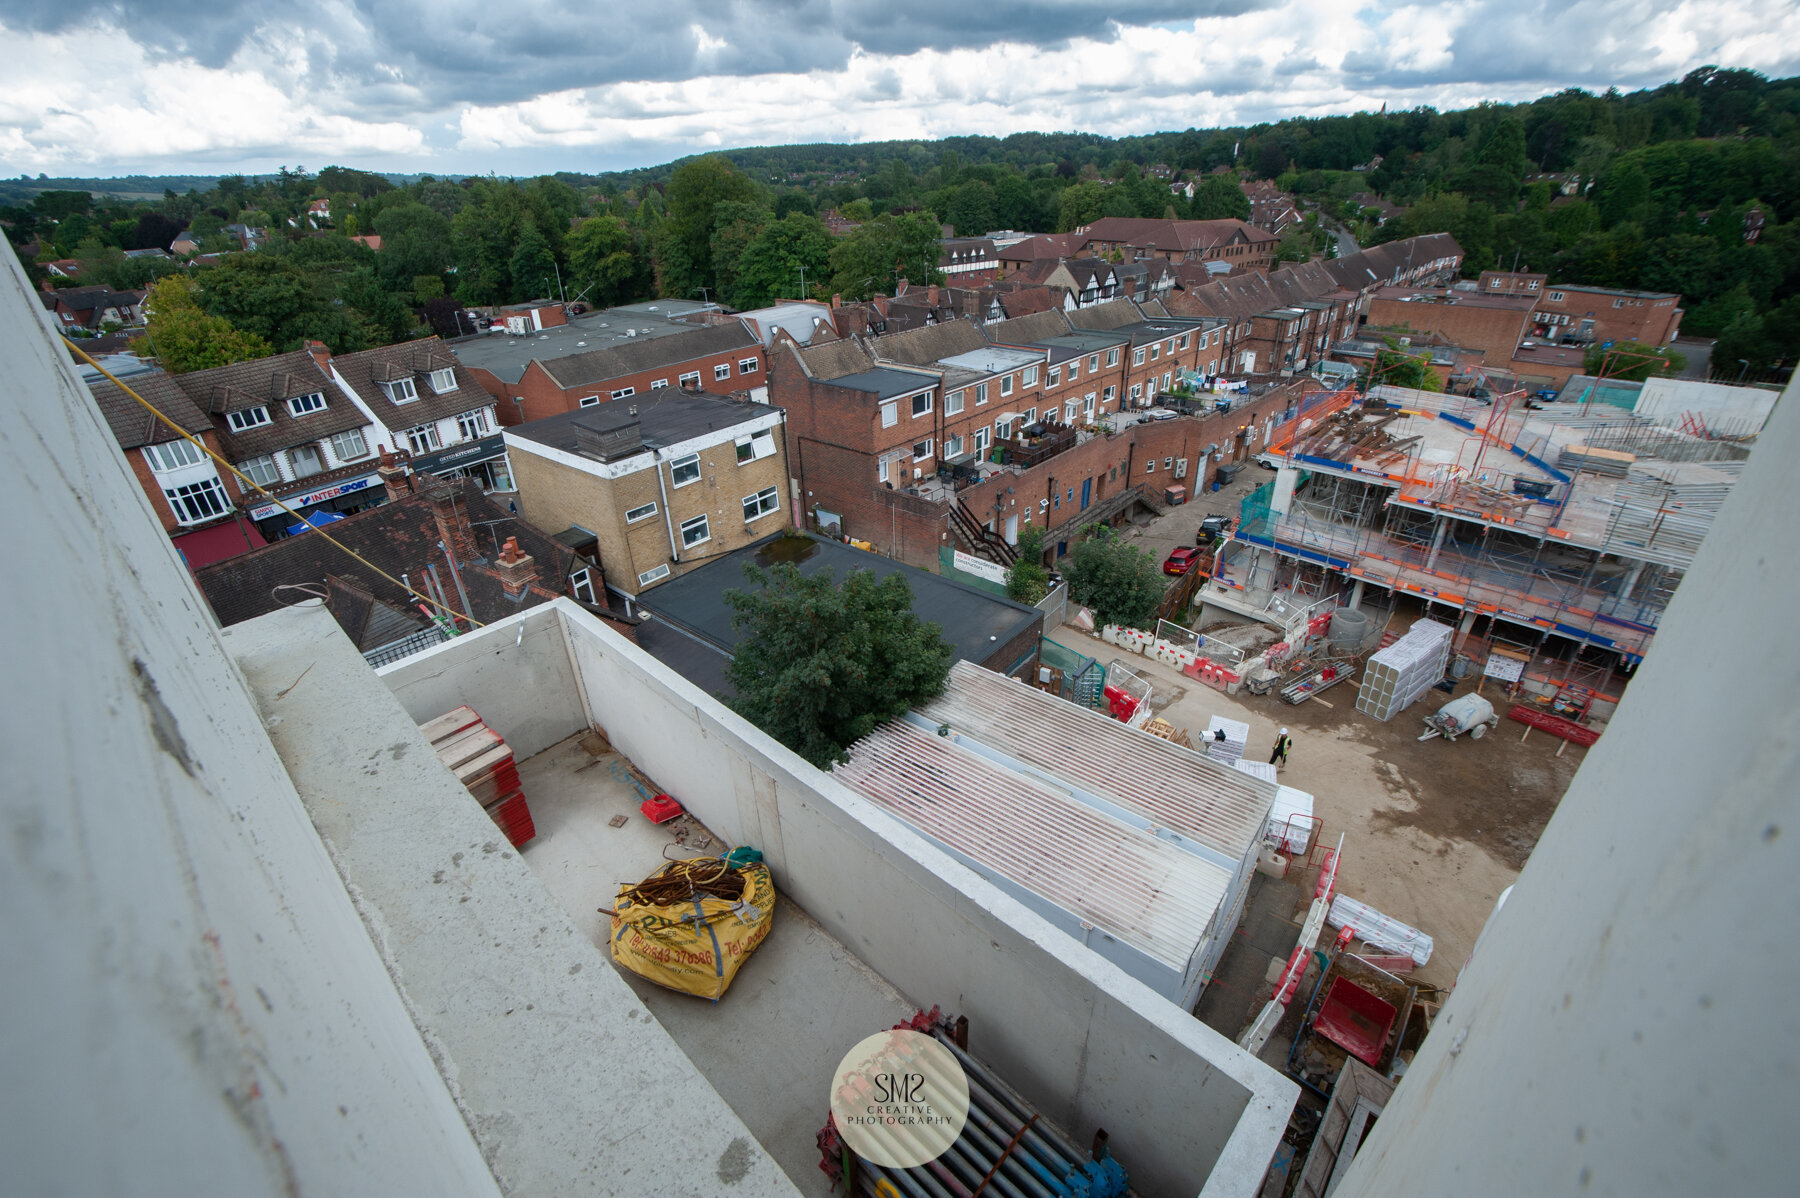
(394, 478)
(452, 521)
(320, 354)
(931, 295)
(517, 569)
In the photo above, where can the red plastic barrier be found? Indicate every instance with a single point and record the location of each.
(1290, 977)
(1555, 725)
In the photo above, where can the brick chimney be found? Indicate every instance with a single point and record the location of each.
(449, 509)
(517, 570)
(837, 300)
(900, 286)
(880, 301)
(931, 295)
(394, 478)
(320, 354)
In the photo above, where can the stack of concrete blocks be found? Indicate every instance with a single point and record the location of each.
(1396, 677)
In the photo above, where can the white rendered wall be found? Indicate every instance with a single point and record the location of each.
(192, 1004)
(1628, 1024)
(1188, 1111)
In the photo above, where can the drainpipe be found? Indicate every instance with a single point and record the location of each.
(668, 520)
(456, 577)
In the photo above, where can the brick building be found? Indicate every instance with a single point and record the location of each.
(724, 357)
(1232, 241)
(427, 406)
(1162, 346)
(1574, 315)
(659, 483)
(1511, 282)
(969, 261)
(1495, 324)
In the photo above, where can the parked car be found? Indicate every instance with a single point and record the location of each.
(1212, 529)
(1179, 560)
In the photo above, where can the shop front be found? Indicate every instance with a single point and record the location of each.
(343, 498)
(483, 460)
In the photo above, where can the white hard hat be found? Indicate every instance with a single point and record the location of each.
(1284, 731)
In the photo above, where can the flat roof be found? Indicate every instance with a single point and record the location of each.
(506, 356)
(975, 622)
(884, 383)
(996, 359)
(667, 415)
(1156, 330)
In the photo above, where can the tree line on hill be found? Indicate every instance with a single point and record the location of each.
(1653, 190)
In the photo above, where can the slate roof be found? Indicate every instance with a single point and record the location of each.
(923, 346)
(1027, 330)
(266, 382)
(834, 359)
(1111, 315)
(665, 416)
(1181, 235)
(599, 365)
(132, 426)
(400, 538)
(364, 370)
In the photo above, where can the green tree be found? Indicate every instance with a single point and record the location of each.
(183, 337)
(533, 266)
(1219, 198)
(774, 261)
(1120, 582)
(415, 240)
(820, 665)
(1397, 368)
(697, 187)
(1082, 204)
(876, 255)
(603, 260)
(1027, 581)
(971, 209)
(1632, 362)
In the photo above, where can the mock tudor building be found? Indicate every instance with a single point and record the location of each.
(657, 482)
(1230, 241)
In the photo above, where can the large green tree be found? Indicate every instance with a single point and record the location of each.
(1119, 581)
(781, 254)
(1219, 198)
(821, 664)
(183, 337)
(604, 263)
(876, 255)
(696, 188)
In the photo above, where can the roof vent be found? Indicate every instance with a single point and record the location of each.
(580, 343)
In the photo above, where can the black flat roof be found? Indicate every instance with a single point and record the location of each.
(976, 623)
(885, 384)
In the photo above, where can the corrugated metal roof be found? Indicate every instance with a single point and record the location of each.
(1143, 891)
(1173, 787)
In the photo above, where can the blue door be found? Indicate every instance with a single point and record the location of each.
(1087, 492)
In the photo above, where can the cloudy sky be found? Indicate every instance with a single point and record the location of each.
(177, 86)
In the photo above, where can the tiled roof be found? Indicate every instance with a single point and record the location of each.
(415, 360)
(266, 382)
(1171, 234)
(923, 346)
(132, 426)
(1024, 330)
(400, 538)
(834, 359)
(599, 365)
(1111, 315)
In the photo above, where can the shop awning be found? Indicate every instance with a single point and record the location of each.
(208, 545)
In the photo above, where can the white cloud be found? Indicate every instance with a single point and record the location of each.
(397, 86)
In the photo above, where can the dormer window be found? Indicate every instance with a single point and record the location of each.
(443, 380)
(400, 390)
(246, 419)
(301, 405)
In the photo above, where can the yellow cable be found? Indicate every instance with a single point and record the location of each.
(244, 480)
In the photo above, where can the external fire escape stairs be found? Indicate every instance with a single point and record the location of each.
(979, 540)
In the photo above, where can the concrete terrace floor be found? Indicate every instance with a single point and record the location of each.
(798, 1004)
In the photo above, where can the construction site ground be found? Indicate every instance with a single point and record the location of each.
(1433, 831)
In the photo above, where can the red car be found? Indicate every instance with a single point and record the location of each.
(1179, 560)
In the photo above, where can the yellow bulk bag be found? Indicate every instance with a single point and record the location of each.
(691, 925)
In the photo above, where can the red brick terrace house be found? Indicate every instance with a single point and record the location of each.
(490, 565)
(197, 503)
(1231, 241)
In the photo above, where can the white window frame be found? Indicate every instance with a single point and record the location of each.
(1555, 297)
(953, 446)
(1029, 377)
(1030, 415)
(294, 460)
(423, 438)
(337, 445)
(698, 523)
(982, 441)
(580, 580)
(1156, 351)
(475, 420)
(1137, 392)
(640, 513)
(443, 380)
(691, 376)
(205, 492)
(1087, 404)
(1137, 356)
(245, 419)
(590, 401)
(1110, 394)
(981, 394)
(1074, 369)
(258, 466)
(400, 391)
(922, 457)
(1006, 385)
(748, 366)
(158, 456)
(765, 502)
(761, 445)
(917, 411)
(953, 403)
(654, 574)
(1055, 377)
(678, 465)
(1150, 466)
(1003, 430)
(659, 384)
(722, 372)
(890, 414)
(624, 393)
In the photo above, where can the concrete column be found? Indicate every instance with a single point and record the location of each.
(1437, 543)
(1356, 594)
(1462, 629)
(1630, 581)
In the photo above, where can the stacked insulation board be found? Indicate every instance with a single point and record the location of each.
(1396, 677)
(483, 762)
(1227, 751)
(1609, 462)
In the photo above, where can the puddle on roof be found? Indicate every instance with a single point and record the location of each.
(786, 549)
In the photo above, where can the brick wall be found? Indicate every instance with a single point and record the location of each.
(1496, 331)
(159, 503)
(1648, 319)
(543, 397)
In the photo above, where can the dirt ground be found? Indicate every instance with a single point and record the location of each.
(1433, 831)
